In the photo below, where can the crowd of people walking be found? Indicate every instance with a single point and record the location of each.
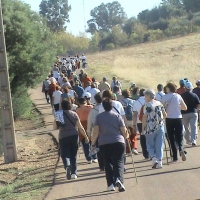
(107, 120)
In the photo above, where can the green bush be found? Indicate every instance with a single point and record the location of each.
(196, 20)
(110, 46)
(155, 35)
(22, 104)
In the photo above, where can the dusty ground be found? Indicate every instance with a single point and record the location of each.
(32, 176)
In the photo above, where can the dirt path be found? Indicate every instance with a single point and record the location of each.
(173, 182)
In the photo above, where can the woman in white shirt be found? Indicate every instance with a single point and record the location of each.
(174, 103)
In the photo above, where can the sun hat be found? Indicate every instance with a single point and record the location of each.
(198, 82)
(188, 85)
(182, 82)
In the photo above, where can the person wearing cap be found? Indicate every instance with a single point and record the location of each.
(190, 116)
(153, 127)
(135, 93)
(133, 85)
(115, 82)
(88, 96)
(93, 91)
(197, 89)
(173, 104)
(182, 88)
(83, 113)
(104, 85)
(78, 89)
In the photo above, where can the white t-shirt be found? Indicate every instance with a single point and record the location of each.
(159, 96)
(118, 106)
(56, 96)
(87, 89)
(56, 74)
(137, 107)
(93, 92)
(71, 93)
(172, 103)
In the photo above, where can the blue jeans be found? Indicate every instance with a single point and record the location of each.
(68, 150)
(86, 149)
(155, 143)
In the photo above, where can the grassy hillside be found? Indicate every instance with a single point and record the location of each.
(150, 64)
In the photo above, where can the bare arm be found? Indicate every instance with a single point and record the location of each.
(124, 132)
(95, 135)
(164, 114)
(125, 120)
(144, 122)
(82, 130)
(183, 105)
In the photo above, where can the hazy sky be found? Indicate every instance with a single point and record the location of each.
(76, 25)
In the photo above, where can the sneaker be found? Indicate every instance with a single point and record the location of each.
(194, 144)
(183, 156)
(159, 165)
(134, 151)
(95, 161)
(90, 162)
(120, 186)
(154, 163)
(111, 188)
(68, 172)
(74, 176)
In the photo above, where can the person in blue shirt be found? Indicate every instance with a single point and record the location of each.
(79, 90)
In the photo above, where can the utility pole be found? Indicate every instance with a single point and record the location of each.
(7, 122)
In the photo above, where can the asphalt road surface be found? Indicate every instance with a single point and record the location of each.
(180, 181)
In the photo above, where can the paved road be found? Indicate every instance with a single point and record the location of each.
(179, 181)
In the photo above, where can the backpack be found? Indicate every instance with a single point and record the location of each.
(141, 113)
(128, 108)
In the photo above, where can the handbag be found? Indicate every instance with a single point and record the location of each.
(55, 126)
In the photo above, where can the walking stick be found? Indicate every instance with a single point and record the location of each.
(166, 152)
(129, 146)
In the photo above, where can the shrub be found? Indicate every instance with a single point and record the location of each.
(155, 35)
(110, 46)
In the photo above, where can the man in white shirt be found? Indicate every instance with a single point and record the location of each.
(160, 93)
(88, 88)
(137, 124)
(93, 91)
(56, 98)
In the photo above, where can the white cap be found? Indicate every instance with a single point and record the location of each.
(198, 82)
(87, 95)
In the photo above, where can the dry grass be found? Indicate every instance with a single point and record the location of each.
(150, 64)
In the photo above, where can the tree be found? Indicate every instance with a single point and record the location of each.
(129, 26)
(106, 16)
(192, 5)
(31, 50)
(56, 13)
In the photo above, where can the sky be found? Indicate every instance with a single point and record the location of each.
(76, 15)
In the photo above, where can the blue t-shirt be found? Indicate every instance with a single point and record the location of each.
(192, 101)
(79, 91)
(109, 128)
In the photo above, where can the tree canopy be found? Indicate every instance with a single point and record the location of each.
(56, 13)
(30, 46)
(106, 16)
